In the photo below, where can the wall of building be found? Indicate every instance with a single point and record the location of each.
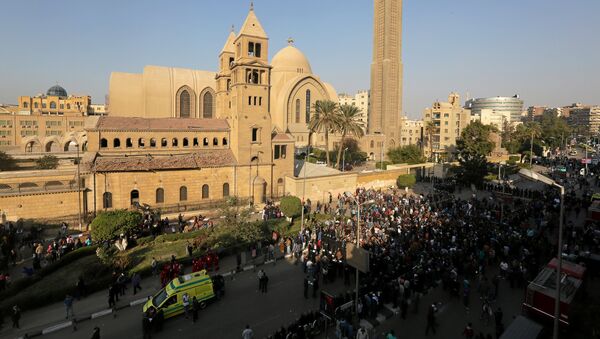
(40, 205)
(45, 133)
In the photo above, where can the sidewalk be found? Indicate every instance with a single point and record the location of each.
(52, 317)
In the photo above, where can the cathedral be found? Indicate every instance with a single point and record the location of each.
(284, 89)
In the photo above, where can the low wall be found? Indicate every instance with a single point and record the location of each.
(39, 206)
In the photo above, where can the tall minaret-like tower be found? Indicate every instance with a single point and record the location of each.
(386, 72)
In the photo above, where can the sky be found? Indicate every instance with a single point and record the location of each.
(547, 51)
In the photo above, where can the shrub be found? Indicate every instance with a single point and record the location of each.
(47, 162)
(490, 177)
(291, 206)
(109, 225)
(406, 180)
(382, 165)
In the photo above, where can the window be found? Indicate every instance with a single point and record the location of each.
(259, 101)
(205, 142)
(174, 142)
(25, 105)
(205, 191)
(372, 144)
(152, 142)
(207, 106)
(195, 142)
(62, 106)
(184, 104)
(160, 195)
(4, 132)
(280, 152)
(186, 143)
(164, 142)
(255, 135)
(182, 193)
(254, 49)
(128, 143)
(68, 106)
(103, 143)
(297, 111)
(257, 48)
(35, 105)
(43, 105)
(52, 105)
(224, 141)
(307, 106)
(116, 142)
(141, 142)
(215, 141)
(107, 200)
(225, 190)
(249, 101)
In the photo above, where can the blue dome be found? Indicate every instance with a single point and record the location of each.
(56, 91)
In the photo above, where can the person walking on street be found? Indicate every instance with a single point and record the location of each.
(136, 281)
(468, 332)
(247, 333)
(261, 274)
(362, 333)
(96, 333)
(69, 306)
(186, 304)
(265, 283)
(431, 319)
(195, 309)
(154, 266)
(16, 316)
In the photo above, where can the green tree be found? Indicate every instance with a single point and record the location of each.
(291, 206)
(349, 124)
(410, 154)
(325, 120)
(109, 225)
(47, 162)
(406, 180)
(553, 129)
(7, 162)
(473, 146)
(430, 128)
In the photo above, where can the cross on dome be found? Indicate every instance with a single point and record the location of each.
(290, 41)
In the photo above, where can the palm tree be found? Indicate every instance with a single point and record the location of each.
(429, 129)
(348, 125)
(325, 119)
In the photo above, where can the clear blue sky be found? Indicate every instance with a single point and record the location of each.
(548, 51)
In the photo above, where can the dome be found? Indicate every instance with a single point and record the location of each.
(290, 59)
(56, 91)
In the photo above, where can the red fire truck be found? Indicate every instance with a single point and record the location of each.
(541, 292)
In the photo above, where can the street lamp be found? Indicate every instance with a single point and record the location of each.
(543, 179)
(344, 160)
(75, 144)
(359, 205)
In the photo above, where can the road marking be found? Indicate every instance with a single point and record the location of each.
(249, 267)
(57, 327)
(101, 313)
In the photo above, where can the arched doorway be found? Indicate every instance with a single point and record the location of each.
(259, 190)
(134, 197)
(33, 147)
(280, 187)
(52, 146)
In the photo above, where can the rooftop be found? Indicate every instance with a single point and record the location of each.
(142, 163)
(125, 123)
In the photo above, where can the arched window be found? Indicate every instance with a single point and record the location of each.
(182, 193)
(195, 141)
(372, 143)
(68, 106)
(224, 141)
(103, 143)
(52, 105)
(215, 141)
(185, 104)
(116, 142)
(207, 105)
(160, 195)
(134, 197)
(164, 142)
(35, 105)
(307, 106)
(205, 192)
(152, 142)
(205, 142)
(128, 143)
(107, 200)
(174, 142)
(186, 143)
(141, 142)
(225, 190)
(297, 111)
(25, 104)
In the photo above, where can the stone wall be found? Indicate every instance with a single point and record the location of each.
(39, 206)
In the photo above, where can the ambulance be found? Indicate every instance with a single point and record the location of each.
(198, 284)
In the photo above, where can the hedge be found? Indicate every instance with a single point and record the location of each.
(291, 206)
(406, 180)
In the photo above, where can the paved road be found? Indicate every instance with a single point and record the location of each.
(242, 305)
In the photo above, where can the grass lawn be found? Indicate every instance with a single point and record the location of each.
(141, 256)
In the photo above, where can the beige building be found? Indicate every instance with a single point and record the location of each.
(585, 119)
(442, 125)
(362, 100)
(386, 72)
(412, 132)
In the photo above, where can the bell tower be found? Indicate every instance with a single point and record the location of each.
(223, 77)
(249, 92)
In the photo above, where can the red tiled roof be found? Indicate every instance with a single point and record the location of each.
(125, 123)
(201, 159)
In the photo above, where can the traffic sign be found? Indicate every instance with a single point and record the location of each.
(586, 161)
